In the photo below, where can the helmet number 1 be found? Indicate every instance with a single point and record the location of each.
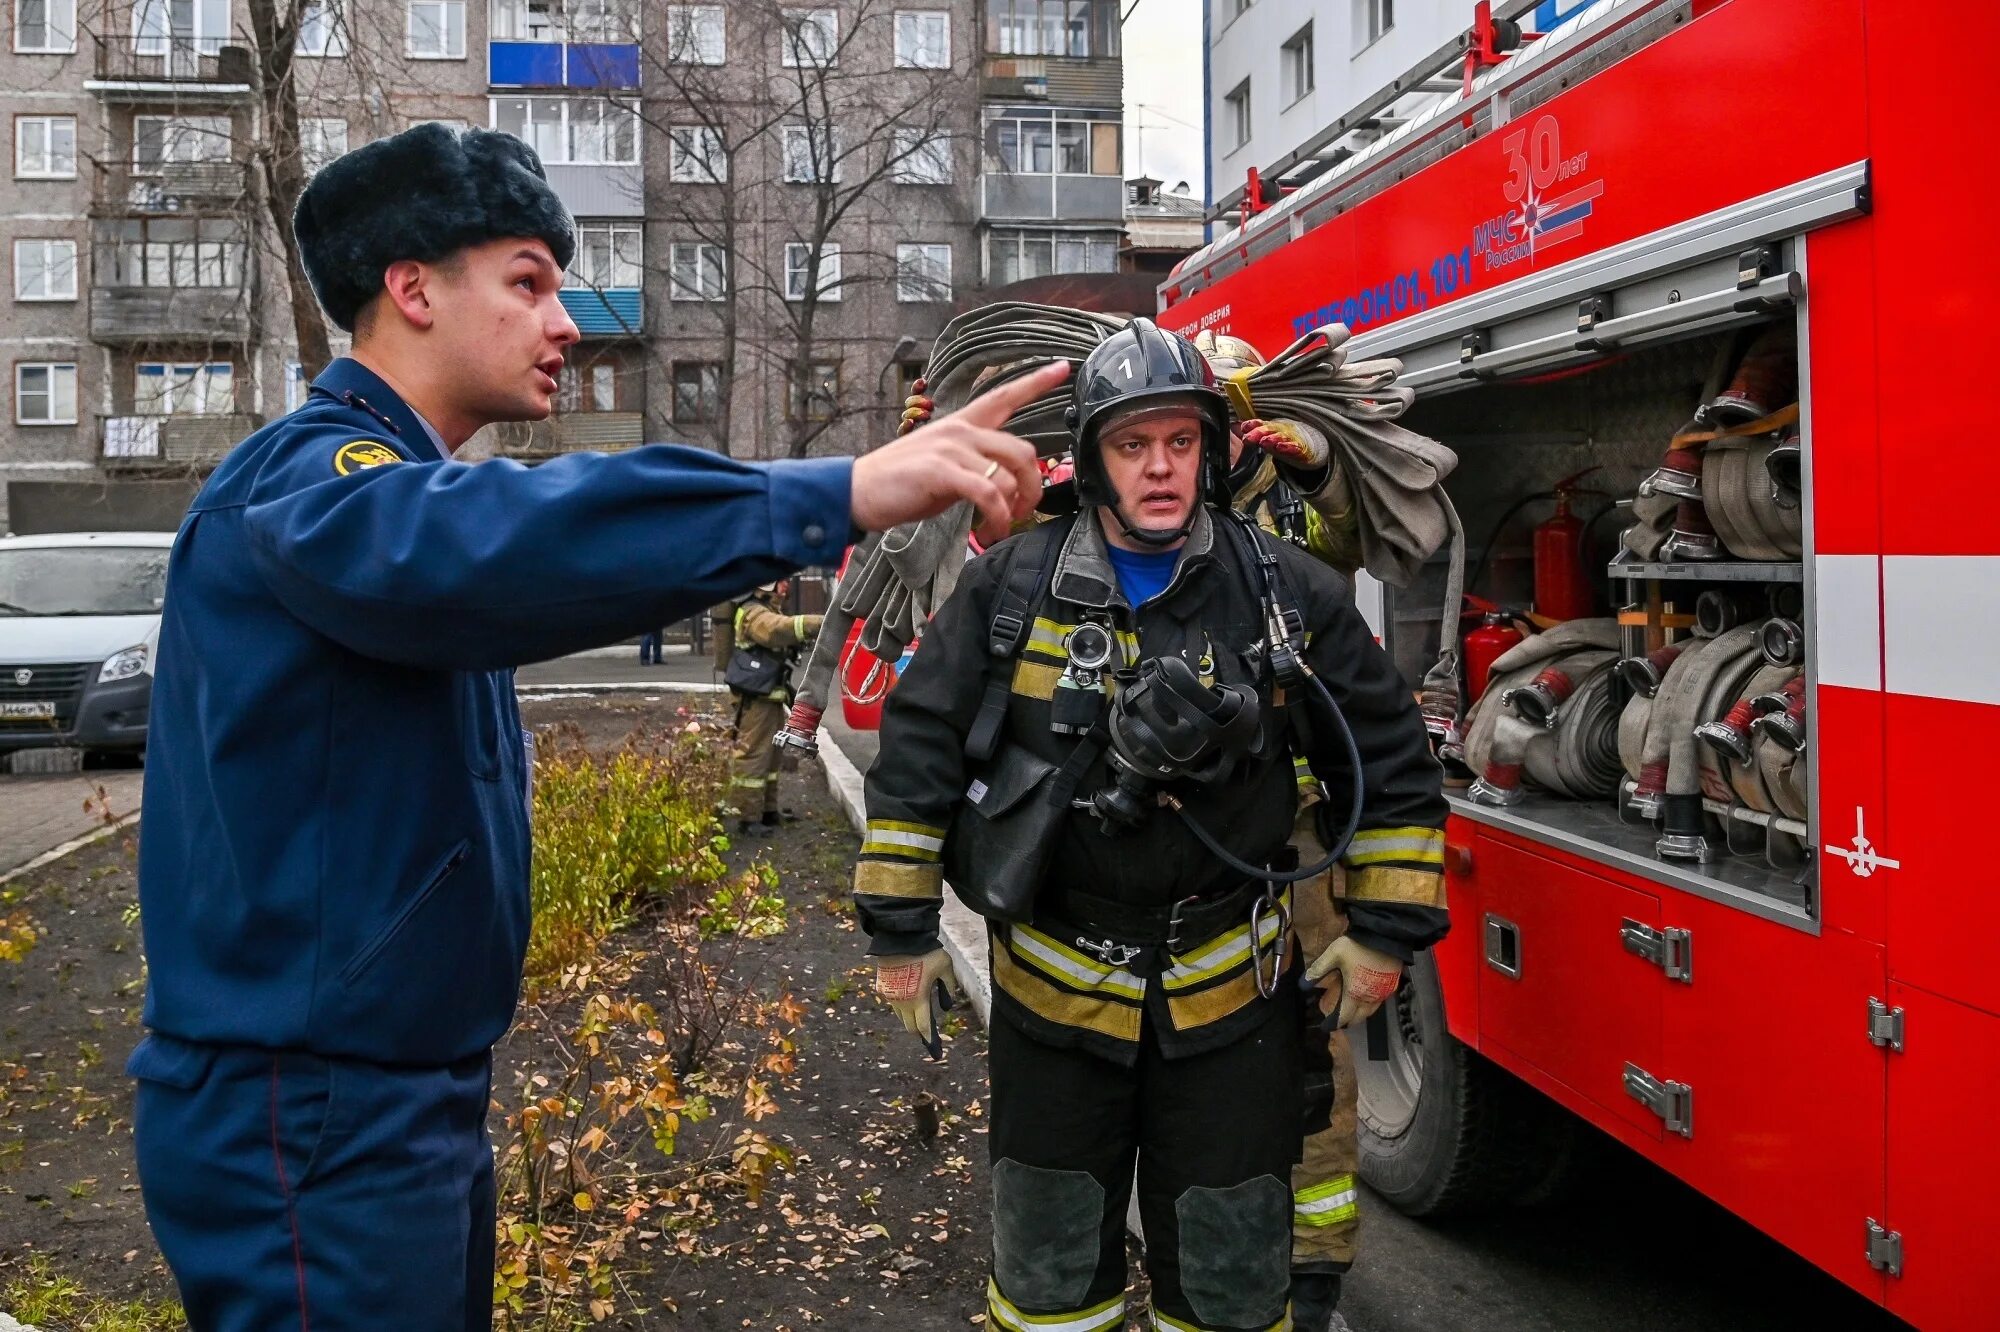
(1125, 368)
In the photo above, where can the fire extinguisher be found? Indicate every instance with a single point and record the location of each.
(1562, 582)
(1484, 646)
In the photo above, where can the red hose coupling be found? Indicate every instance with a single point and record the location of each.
(1693, 537)
(1500, 786)
(1787, 728)
(1642, 675)
(1540, 700)
(801, 729)
(1679, 475)
(1730, 736)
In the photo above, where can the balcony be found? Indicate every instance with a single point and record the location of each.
(170, 69)
(571, 432)
(611, 312)
(172, 187)
(1040, 197)
(135, 315)
(139, 442)
(562, 64)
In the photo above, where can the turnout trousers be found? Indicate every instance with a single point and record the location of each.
(1214, 1137)
(1326, 1202)
(753, 770)
(289, 1191)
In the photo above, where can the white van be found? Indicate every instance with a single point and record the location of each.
(79, 629)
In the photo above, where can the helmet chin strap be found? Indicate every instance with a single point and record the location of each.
(1160, 537)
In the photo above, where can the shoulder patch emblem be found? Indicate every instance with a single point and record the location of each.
(361, 454)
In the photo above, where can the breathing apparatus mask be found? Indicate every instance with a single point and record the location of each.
(1143, 365)
(1167, 726)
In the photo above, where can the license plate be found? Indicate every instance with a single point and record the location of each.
(43, 711)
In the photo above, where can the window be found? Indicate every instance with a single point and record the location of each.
(798, 266)
(697, 392)
(812, 155)
(167, 389)
(44, 270)
(45, 27)
(179, 29)
(696, 272)
(1236, 8)
(608, 255)
(601, 21)
(1016, 254)
(45, 393)
(915, 159)
(1062, 147)
(923, 39)
(695, 155)
(45, 147)
(171, 252)
(603, 395)
(1372, 18)
(1296, 59)
(588, 388)
(694, 34)
(322, 29)
(1041, 28)
(815, 391)
(295, 386)
(569, 132)
(159, 140)
(437, 30)
(321, 139)
(811, 38)
(1236, 114)
(923, 272)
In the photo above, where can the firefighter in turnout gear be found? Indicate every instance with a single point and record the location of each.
(771, 639)
(1104, 738)
(1283, 475)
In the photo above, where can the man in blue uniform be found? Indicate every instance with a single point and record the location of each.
(334, 873)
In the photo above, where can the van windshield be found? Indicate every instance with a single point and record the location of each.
(83, 580)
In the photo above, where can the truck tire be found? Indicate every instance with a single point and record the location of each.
(1443, 1130)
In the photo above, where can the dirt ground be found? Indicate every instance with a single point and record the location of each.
(879, 1223)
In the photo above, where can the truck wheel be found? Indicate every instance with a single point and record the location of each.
(1443, 1130)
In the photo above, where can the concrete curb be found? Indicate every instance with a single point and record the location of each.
(7, 1324)
(57, 853)
(964, 932)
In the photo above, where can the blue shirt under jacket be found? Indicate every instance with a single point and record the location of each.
(335, 856)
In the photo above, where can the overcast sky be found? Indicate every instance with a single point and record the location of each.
(1163, 91)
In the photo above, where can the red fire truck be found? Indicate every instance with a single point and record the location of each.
(1806, 1026)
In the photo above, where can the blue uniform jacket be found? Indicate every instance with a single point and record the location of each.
(335, 854)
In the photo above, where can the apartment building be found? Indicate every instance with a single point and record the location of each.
(1279, 71)
(778, 207)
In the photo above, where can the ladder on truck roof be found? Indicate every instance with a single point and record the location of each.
(1322, 177)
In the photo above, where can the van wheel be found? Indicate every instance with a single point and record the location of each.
(1443, 1130)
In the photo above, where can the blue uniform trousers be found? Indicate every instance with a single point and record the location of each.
(291, 1191)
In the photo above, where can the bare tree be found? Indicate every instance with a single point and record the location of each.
(274, 26)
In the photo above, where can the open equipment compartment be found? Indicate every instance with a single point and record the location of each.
(1569, 406)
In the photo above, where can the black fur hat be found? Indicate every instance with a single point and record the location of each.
(421, 195)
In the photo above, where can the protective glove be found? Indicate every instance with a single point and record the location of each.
(919, 989)
(917, 408)
(1367, 979)
(1292, 443)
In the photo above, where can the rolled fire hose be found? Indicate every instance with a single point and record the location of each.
(1563, 676)
(1670, 768)
(1743, 502)
(1729, 768)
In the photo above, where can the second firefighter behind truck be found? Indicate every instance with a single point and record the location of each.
(1146, 999)
(768, 637)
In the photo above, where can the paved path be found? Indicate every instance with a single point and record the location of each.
(38, 813)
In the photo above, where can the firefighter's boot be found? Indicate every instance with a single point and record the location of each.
(1314, 1296)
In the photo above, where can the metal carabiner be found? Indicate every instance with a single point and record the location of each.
(1109, 951)
(1259, 910)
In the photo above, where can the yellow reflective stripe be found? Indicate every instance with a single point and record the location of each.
(1107, 1016)
(914, 841)
(1066, 963)
(1224, 952)
(1167, 1323)
(899, 826)
(1327, 1204)
(1188, 1011)
(1005, 1314)
(887, 878)
(1373, 846)
(799, 627)
(1391, 883)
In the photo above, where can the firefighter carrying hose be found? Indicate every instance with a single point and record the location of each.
(759, 674)
(1102, 742)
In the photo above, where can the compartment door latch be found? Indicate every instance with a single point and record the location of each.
(1673, 1102)
(1671, 950)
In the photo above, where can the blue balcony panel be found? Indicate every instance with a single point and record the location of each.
(524, 64)
(615, 312)
(602, 66)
